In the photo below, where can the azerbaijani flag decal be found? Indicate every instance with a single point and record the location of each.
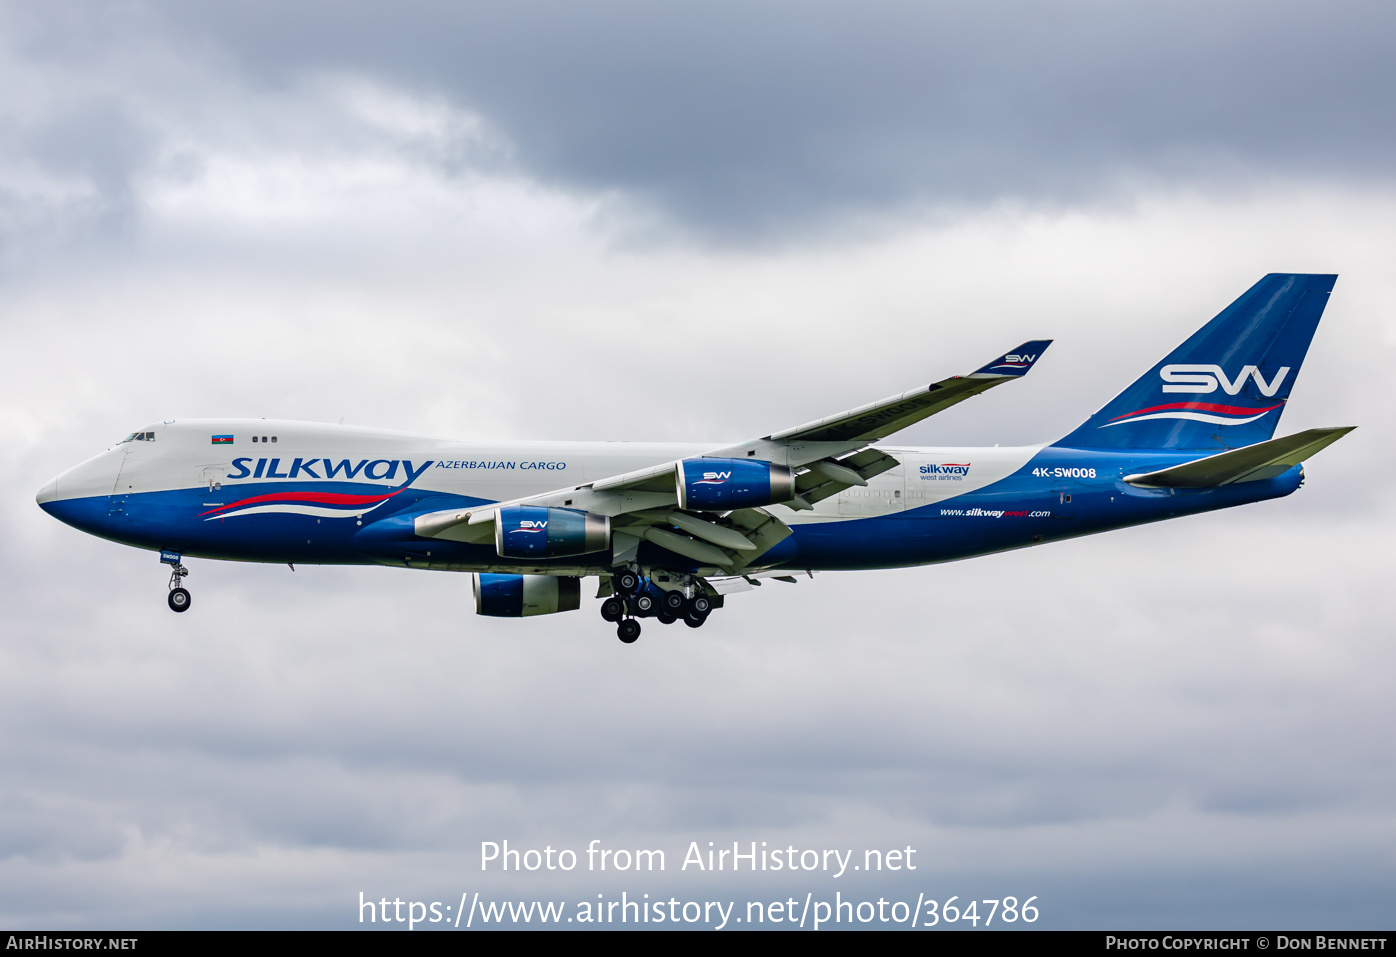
(222, 440)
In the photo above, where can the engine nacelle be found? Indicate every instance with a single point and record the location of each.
(719, 485)
(527, 531)
(521, 596)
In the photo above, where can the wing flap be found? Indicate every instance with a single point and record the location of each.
(821, 481)
(762, 529)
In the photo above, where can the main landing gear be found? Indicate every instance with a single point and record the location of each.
(637, 597)
(178, 599)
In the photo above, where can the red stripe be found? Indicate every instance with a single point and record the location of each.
(1203, 406)
(323, 498)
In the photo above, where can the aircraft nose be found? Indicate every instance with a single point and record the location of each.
(79, 495)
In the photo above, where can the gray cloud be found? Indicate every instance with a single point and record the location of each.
(740, 118)
(739, 122)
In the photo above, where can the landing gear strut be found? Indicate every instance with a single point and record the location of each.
(179, 595)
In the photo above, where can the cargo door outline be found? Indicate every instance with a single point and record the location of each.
(211, 479)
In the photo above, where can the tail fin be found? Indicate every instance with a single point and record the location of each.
(1227, 385)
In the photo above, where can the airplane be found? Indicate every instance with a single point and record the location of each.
(670, 530)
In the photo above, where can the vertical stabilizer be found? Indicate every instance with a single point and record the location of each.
(1227, 385)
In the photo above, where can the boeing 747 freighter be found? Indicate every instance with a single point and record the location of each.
(670, 530)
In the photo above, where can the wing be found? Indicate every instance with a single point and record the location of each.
(823, 457)
(878, 420)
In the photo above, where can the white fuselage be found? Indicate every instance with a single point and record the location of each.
(182, 456)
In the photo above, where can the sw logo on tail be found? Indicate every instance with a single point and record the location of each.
(1182, 377)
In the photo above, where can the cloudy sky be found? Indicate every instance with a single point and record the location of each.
(701, 222)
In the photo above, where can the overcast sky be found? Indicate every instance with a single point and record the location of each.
(641, 221)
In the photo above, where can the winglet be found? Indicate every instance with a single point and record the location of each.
(1016, 362)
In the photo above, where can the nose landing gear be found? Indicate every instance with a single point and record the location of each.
(178, 599)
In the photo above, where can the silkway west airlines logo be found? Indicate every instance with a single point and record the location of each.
(949, 470)
(530, 526)
(1199, 380)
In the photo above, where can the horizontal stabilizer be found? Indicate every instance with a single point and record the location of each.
(1250, 464)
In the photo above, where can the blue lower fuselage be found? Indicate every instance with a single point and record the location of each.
(1057, 493)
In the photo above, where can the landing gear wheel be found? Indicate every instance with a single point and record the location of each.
(179, 599)
(694, 620)
(673, 602)
(700, 604)
(628, 630)
(612, 609)
(625, 583)
(664, 617)
(179, 595)
(644, 604)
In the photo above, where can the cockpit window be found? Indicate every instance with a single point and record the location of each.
(138, 437)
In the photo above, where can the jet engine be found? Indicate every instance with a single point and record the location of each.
(528, 531)
(522, 596)
(719, 485)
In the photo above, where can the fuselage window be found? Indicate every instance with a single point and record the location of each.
(254, 438)
(273, 438)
